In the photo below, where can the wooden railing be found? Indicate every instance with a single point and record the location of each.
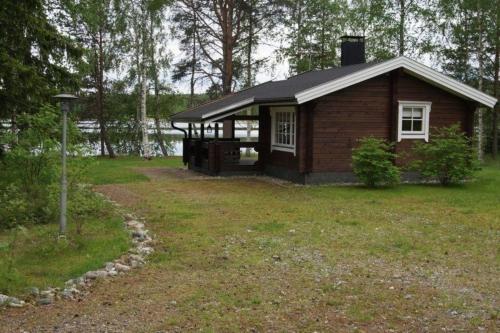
(218, 156)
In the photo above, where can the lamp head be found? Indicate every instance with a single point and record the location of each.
(65, 100)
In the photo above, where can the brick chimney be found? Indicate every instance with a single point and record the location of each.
(352, 50)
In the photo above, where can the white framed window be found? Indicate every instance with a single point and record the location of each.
(413, 120)
(283, 128)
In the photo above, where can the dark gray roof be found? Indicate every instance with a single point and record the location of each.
(268, 92)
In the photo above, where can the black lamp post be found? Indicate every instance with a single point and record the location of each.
(65, 100)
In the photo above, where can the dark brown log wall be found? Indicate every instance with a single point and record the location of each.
(343, 117)
(370, 108)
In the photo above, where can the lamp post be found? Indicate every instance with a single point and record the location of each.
(65, 100)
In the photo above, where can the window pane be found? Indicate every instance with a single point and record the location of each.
(406, 125)
(417, 125)
(284, 128)
(417, 113)
(406, 113)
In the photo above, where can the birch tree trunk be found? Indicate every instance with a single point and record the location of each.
(402, 18)
(480, 120)
(144, 120)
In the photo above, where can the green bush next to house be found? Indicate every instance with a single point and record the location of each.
(449, 156)
(372, 163)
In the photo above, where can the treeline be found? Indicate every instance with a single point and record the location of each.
(108, 48)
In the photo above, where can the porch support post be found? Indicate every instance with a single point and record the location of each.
(216, 130)
(190, 131)
(202, 132)
(228, 129)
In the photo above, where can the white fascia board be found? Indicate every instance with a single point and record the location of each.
(239, 104)
(400, 62)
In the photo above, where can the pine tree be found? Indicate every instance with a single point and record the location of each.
(36, 60)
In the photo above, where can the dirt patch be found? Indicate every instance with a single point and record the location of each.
(169, 173)
(119, 193)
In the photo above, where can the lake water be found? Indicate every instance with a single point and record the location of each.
(175, 136)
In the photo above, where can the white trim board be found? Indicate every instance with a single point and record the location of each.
(239, 104)
(411, 66)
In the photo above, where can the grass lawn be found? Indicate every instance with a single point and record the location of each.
(34, 257)
(247, 254)
(122, 169)
(243, 253)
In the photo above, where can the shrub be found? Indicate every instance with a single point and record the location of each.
(30, 168)
(372, 162)
(449, 156)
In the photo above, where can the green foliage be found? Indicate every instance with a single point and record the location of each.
(34, 56)
(448, 157)
(372, 163)
(314, 33)
(30, 168)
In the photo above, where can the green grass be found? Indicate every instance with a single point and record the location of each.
(308, 252)
(121, 169)
(243, 253)
(34, 257)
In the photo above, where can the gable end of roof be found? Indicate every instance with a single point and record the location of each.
(387, 66)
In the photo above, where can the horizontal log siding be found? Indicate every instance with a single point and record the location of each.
(447, 109)
(343, 117)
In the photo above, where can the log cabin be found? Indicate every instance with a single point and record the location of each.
(309, 123)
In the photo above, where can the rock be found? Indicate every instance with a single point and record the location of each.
(136, 257)
(47, 297)
(135, 263)
(139, 235)
(144, 250)
(408, 296)
(10, 301)
(122, 268)
(67, 294)
(112, 273)
(47, 293)
(109, 266)
(18, 304)
(80, 281)
(276, 257)
(92, 275)
(45, 300)
(34, 291)
(4, 299)
(135, 225)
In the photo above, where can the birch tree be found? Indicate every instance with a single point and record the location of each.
(138, 37)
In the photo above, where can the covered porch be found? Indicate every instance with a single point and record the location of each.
(213, 148)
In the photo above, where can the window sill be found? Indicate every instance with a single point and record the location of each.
(285, 149)
(414, 137)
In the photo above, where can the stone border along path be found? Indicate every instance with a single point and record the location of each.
(135, 257)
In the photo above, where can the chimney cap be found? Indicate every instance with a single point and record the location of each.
(355, 37)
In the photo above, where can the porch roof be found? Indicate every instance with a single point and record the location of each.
(310, 85)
